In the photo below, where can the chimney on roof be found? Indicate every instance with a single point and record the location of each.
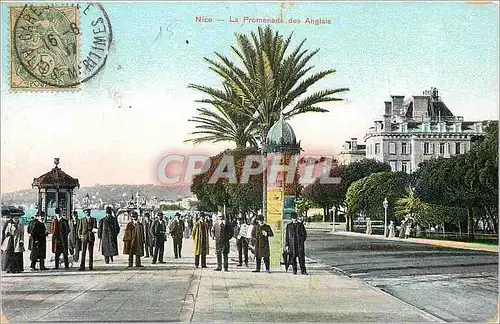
(354, 143)
(388, 108)
(397, 105)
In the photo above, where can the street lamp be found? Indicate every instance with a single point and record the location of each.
(385, 204)
(137, 201)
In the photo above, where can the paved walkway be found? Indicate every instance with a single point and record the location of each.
(179, 292)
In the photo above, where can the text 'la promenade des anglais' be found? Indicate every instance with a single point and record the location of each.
(264, 20)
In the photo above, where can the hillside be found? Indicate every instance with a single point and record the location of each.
(108, 193)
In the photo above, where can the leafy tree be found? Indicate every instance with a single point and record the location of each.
(334, 195)
(303, 205)
(425, 214)
(241, 198)
(469, 180)
(366, 195)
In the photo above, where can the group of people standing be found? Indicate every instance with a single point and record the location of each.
(145, 238)
(254, 236)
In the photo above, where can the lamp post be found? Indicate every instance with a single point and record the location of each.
(137, 198)
(385, 204)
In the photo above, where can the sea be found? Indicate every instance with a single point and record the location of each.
(96, 213)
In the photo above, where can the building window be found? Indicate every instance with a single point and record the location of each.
(404, 128)
(427, 148)
(457, 148)
(405, 166)
(393, 166)
(441, 148)
(392, 148)
(404, 148)
(377, 148)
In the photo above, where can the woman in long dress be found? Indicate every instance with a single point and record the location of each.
(13, 246)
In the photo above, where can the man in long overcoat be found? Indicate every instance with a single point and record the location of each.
(261, 233)
(133, 239)
(200, 238)
(295, 237)
(87, 227)
(222, 233)
(108, 233)
(148, 246)
(38, 243)
(60, 232)
(158, 237)
(74, 243)
(177, 233)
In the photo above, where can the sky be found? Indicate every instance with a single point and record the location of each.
(378, 49)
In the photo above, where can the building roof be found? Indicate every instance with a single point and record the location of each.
(281, 137)
(55, 178)
(435, 108)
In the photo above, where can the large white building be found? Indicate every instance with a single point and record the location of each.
(417, 129)
(352, 152)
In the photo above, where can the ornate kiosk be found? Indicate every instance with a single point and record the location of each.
(281, 140)
(55, 189)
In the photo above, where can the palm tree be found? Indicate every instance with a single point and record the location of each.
(267, 83)
(223, 124)
(406, 205)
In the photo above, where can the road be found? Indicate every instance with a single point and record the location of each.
(452, 284)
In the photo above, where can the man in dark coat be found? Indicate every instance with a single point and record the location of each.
(222, 233)
(60, 231)
(177, 232)
(133, 240)
(74, 243)
(108, 233)
(295, 237)
(86, 231)
(38, 243)
(261, 233)
(148, 246)
(158, 237)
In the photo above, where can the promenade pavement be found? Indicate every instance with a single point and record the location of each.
(178, 292)
(340, 230)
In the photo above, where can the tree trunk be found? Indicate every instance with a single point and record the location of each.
(459, 229)
(470, 222)
(494, 222)
(325, 210)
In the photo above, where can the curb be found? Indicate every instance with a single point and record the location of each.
(448, 244)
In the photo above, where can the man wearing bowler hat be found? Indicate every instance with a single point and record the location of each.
(222, 233)
(295, 237)
(133, 240)
(158, 237)
(261, 233)
(60, 231)
(87, 227)
(177, 232)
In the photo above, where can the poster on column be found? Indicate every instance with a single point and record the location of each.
(274, 205)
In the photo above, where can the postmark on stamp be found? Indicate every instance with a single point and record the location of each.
(57, 47)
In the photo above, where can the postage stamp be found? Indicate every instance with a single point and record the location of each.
(51, 49)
